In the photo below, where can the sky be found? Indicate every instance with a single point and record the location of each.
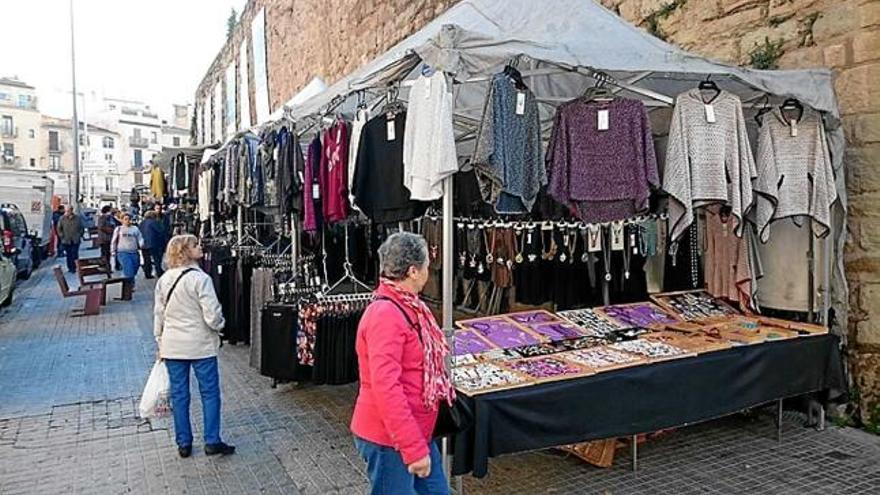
(155, 51)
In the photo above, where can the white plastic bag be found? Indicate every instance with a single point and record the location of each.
(154, 401)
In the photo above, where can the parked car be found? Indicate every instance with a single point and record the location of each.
(7, 280)
(17, 241)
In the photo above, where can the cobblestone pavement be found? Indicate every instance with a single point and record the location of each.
(69, 389)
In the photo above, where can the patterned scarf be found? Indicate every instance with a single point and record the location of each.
(436, 383)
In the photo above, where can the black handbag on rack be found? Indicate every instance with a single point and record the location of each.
(451, 420)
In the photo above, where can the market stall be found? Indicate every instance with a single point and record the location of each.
(516, 122)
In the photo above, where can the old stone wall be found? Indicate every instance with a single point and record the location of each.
(323, 38)
(329, 38)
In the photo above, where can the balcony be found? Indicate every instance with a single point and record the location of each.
(138, 142)
(9, 132)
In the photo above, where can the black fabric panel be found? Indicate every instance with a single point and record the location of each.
(646, 398)
(279, 328)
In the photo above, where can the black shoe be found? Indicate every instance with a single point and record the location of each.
(219, 448)
(185, 451)
(149, 276)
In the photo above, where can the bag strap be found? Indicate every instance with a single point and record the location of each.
(174, 285)
(403, 312)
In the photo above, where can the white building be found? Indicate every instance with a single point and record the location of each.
(140, 133)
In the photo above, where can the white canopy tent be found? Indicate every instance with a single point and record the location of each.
(567, 45)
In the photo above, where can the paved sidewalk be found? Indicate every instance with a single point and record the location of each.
(68, 398)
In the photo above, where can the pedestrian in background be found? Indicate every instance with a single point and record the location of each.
(187, 320)
(155, 240)
(401, 359)
(105, 226)
(56, 215)
(125, 247)
(70, 232)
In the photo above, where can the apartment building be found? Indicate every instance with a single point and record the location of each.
(19, 125)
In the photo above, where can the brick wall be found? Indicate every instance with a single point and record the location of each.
(308, 38)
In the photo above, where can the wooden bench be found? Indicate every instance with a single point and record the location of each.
(94, 272)
(93, 294)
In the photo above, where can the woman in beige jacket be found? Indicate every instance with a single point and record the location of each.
(187, 323)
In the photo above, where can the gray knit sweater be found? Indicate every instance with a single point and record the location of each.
(707, 163)
(795, 178)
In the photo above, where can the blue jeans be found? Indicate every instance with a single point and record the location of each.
(72, 252)
(130, 262)
(388, 474)
(209, 388)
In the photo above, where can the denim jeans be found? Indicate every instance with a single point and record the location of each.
(156, 254)
(130, 262)
(72, 252)
(388, 474)
(209, 388)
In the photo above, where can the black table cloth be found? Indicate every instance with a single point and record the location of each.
(646, 398)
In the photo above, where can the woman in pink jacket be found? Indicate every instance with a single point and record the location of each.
(401, 358)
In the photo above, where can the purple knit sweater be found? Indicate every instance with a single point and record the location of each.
(606, 175)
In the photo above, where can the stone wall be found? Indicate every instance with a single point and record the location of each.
(308, 38)
(840, 34)
(319, 38)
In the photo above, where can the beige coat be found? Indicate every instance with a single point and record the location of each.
(188, 325)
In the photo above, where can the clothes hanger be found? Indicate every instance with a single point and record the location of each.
(599, 91)
(793, 104)
(394, 105)
(709, 85)
(765, 108)
(511, 71)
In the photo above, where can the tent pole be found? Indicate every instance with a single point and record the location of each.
(448, 296)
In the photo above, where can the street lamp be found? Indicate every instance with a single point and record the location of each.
(75, 123)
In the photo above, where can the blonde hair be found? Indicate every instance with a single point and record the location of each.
(176, 253)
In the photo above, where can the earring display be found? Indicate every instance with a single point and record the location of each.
(464, 360)
(547, 368)
(529, 318)
(643, 314)
(590, 321)
(530, 351)
(500, 331)
(655, 351)
(486, 377)
(699, 306)
(579, 343)
(601, 358)
(558, 330)
(469, 342)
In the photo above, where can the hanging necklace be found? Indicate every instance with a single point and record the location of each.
(489, 249)
(571, 240)
(627, 257)
(594, 235)
(606, 256)
(563, 256)
(585, 256)
(617, 236)
(551, 253)
(521, 246)
(531, 256)
(462, 253)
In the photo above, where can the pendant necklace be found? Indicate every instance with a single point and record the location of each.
(586, 255)
(551, 253)
(489, 249)
(571, 239)
(521, 247)
(606, 255)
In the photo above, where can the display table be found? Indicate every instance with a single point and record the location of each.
(646, 398)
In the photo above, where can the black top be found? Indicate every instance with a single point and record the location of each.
(378, 178)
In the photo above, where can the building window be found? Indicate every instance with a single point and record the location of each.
(8, 126)
(53, 141)
(83, 139)
(108, 184)
(137, 132)
(82, 156)
(24, 101)
(32, 133)
(108, 158)
(8, 151)
(4, 96)
(176, 141)
(108, 142)
(33, 162)
(154, 138)
(138, 159)
(54, 162)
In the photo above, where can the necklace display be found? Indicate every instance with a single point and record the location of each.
(551, 253)
(606, 257)
(569, 241)
(519, 246)
(490, 258)
(585, 257)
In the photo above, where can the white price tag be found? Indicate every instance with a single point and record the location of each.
(594, 238)
(390, 130)
(219, 269)
(617, 243)
(520, 103)
(275, 155)
(338, 135)
(529, 238)
(602, 117)
(301, 178)
(316, 191)
(793, 128)
(710, 114)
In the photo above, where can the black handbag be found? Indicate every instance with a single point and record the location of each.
(454, 419)
(451, 420)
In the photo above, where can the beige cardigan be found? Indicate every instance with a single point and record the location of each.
(187, 326)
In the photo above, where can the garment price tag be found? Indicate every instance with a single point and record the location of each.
(338, 135)
(390, 130)
(316, 191)
(219, 269)
(602, 117)
(793, 128)
(529, 238)
(520, 103)
(710, 114)
(275, 155)
(301, 178)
